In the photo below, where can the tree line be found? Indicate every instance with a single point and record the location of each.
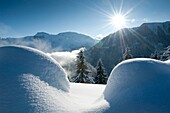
(86, 73)
(162, 55)
(83, 73)
(99, 75)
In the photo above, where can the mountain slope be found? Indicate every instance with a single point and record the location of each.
(66, 41)
(142, 41)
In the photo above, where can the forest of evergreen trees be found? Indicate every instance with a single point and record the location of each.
(85, 73)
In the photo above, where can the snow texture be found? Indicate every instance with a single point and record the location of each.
(16, 61)
(139, 86)
(46, 99)
(36, 96)
(31, 82)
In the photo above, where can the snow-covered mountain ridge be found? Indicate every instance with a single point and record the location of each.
(142, 41)
(65, 41)
(155, 27)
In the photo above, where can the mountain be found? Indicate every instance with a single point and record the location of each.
(65, 41)
(142, 41)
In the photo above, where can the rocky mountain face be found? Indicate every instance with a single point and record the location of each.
(142, 41)
(66, 41)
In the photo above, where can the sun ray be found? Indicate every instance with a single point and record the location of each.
(118, 21)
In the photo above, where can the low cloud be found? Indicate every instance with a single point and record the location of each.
(65, 58)
(145, 19)
(6, 30)
(42, 45)
(99, 36)
(133, 20)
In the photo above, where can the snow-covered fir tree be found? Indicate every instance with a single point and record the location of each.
(101, 77)
(91, 73)
(156, 55)
(166, 54)
(82, 71)
(127, 54)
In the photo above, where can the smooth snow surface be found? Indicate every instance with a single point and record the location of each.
(139, 86)
(31, 82)
(46, 99)
(16, 61)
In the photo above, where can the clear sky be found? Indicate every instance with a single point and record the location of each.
(91, 17)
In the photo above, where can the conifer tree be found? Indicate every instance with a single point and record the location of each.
(81, 69)
(127, 54)
(101, 77)
(166, 54)
(155, 55)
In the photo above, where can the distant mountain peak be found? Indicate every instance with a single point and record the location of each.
(41, 34)
(164, 26)
(71, 33)
(156, 23)
(66, 41)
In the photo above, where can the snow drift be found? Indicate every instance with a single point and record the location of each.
(16, 61)
(139, 86)
(31, 81)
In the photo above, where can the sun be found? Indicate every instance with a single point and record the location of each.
(118, 21)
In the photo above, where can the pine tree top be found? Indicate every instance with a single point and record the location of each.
(127, 54)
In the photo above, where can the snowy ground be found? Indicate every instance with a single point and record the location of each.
(89, 97)
(82, 98)
(33, 82)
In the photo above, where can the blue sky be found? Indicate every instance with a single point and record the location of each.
(27, 17)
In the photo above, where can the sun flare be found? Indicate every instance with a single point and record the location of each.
(118, 21)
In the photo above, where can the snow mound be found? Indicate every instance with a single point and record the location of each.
(16, 61)
(139, 86)
(41, 97)
(46, 99)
